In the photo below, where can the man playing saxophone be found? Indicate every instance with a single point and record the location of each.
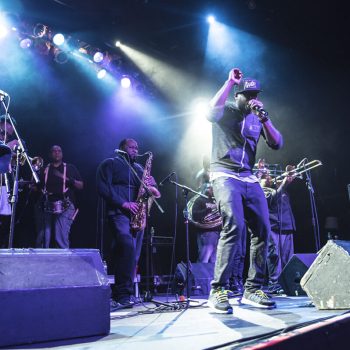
(119, 186)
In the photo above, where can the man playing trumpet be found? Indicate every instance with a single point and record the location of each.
(281, 245)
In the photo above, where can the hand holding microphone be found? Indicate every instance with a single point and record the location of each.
(257, 106)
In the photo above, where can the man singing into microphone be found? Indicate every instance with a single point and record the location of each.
(236, 129)
(119, 186)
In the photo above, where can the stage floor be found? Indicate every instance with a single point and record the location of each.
(145, 327)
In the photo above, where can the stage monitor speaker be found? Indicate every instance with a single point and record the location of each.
(200, 276)
(327, 282)
(52, 294)
(293, 272)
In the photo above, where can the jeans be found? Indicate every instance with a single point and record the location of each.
(126, 250)
(53, 229)
(280, 250)
(207, 242)
(236, 278)
(239, 201)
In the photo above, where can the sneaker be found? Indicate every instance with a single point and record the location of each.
(218, 301)
(121, 303)
(258, 299)
(275, 289)
(235, 291)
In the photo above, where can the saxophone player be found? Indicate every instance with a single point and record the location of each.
(118, 185)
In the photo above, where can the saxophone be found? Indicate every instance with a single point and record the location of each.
(138, 220)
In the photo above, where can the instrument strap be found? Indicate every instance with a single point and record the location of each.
(64, 176)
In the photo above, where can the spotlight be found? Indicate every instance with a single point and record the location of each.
(58, 39)
(118, 43)
(101, 73)
(40, 30)
(60, 56)
(125, 82)
(25, 43)
(3, 31)
(98, 57)
(200, 108)
(210, 19)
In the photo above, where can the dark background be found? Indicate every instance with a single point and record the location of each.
(303, 69)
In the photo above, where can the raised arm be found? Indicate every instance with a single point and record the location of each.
(217, 103)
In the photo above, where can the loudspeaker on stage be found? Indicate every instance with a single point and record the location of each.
(52, 294)
(327, 282)
(293, 272)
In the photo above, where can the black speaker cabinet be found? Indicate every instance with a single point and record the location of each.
(327, 282)
(51, 294)
(293, 272)
(200, 276)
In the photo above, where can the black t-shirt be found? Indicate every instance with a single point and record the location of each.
(54, 184)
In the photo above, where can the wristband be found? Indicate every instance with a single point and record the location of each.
(264, 119)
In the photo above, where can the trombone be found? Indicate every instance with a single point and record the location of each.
(299, 169)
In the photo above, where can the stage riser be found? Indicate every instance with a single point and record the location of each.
(72, 300)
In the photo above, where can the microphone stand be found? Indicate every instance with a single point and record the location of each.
(185, 191)
(20, 151)
(314, 216)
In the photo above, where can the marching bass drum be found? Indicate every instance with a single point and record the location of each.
(203, 212)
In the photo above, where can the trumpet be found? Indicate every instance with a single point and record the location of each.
(300, 169)
(37, 162)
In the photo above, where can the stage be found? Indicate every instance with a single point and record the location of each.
(145, 327)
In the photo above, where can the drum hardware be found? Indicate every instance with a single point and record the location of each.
(56, 207)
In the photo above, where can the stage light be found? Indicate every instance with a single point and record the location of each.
(60, 56)
(98, 57)
(3, 31)
(211, 19)
(58, 39)
(118, 43)
(101, 73)
(25, 43)
(200, 109)
(40, 30)
(125, 82)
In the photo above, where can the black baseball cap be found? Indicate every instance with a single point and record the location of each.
(248, 84)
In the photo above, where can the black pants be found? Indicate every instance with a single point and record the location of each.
(5, 221)
(126, 249)
(239, 201)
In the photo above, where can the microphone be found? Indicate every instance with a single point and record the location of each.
(3, 93)
(120, 151)
(166, 179)
(260, 110)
